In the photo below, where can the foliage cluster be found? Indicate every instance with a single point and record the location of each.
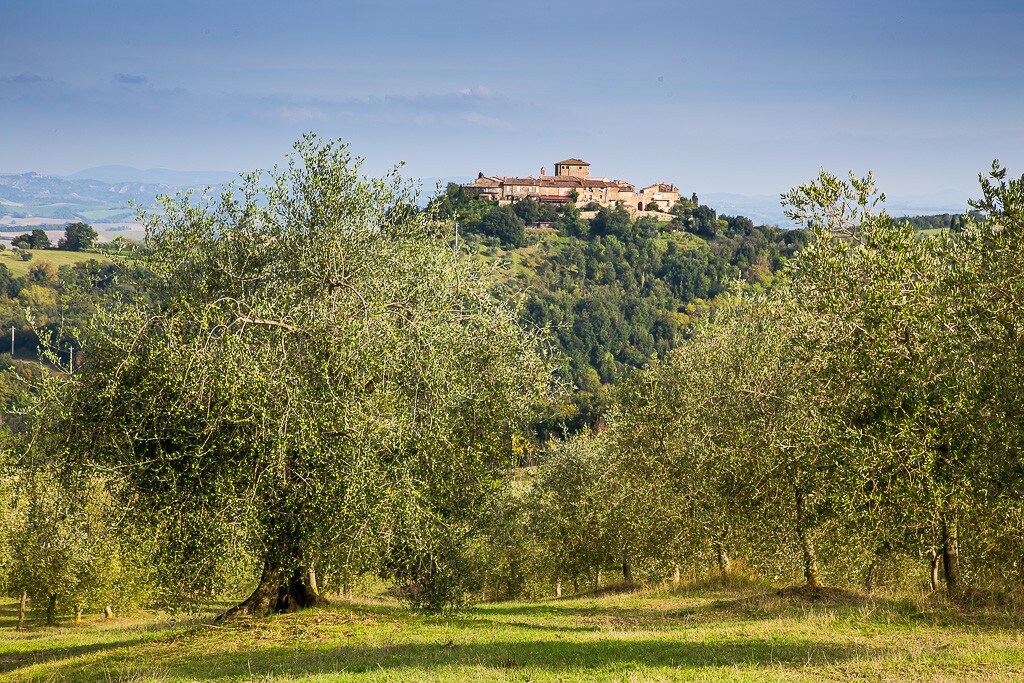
(78, 236)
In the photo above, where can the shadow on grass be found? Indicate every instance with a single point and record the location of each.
(671, 611)
(41, 643)
(575, 639)
(583, 619)
(11, 661)
(419, 660)
(34, 620)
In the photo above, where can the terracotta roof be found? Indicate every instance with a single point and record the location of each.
(552, 182)
(546, 181)
(619, 184)
(572, 162)
(562, 181)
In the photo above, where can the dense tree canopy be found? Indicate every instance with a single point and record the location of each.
(37, 239)
(616, 292)
(78, 237)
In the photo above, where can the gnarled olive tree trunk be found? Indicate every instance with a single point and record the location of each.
(278, 590)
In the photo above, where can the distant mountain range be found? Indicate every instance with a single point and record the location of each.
(32, 199)
(101, 195)
(154, 176)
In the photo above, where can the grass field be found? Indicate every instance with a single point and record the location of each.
(751, 634)
(54, 256)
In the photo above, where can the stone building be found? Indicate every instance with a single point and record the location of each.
(574, 168)
(572, 182)
(657, 197)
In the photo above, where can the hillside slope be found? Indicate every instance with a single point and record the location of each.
(615, 291)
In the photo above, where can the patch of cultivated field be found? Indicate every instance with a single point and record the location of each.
(708, 635)
(54, 256)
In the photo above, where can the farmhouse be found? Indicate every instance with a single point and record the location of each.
(572, 182)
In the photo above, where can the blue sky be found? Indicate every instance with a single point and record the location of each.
(743, 96)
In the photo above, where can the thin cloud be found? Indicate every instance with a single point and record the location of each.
(478, 106)
(130, 79)
(478, 94)
(24, 77)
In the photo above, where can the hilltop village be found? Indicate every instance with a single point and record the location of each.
(572, 182)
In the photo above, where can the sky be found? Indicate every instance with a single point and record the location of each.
(742, 96)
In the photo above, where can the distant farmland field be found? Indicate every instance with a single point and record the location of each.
(54, 256)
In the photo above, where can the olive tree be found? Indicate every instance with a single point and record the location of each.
(679, 437)
(887, 318)
(985, 318)
(319, 382)
(568, 512)
(66, 550)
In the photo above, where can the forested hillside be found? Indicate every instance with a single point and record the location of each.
(614, 292)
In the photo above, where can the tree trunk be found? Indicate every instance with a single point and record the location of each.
(51, 610)
(676, 576)
(558, 588)
(806, 542)
(950, 554)
(724, 563)
(934, 577)
(22, 607)
(597, 580)
(627, 573)
(277, 592)
(297, 593)
(869, 580)
(312, 580)
(575, 583)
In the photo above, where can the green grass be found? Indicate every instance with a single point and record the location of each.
(54, 256)
(751, 634)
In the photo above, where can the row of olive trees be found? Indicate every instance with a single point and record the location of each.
(860, 424)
